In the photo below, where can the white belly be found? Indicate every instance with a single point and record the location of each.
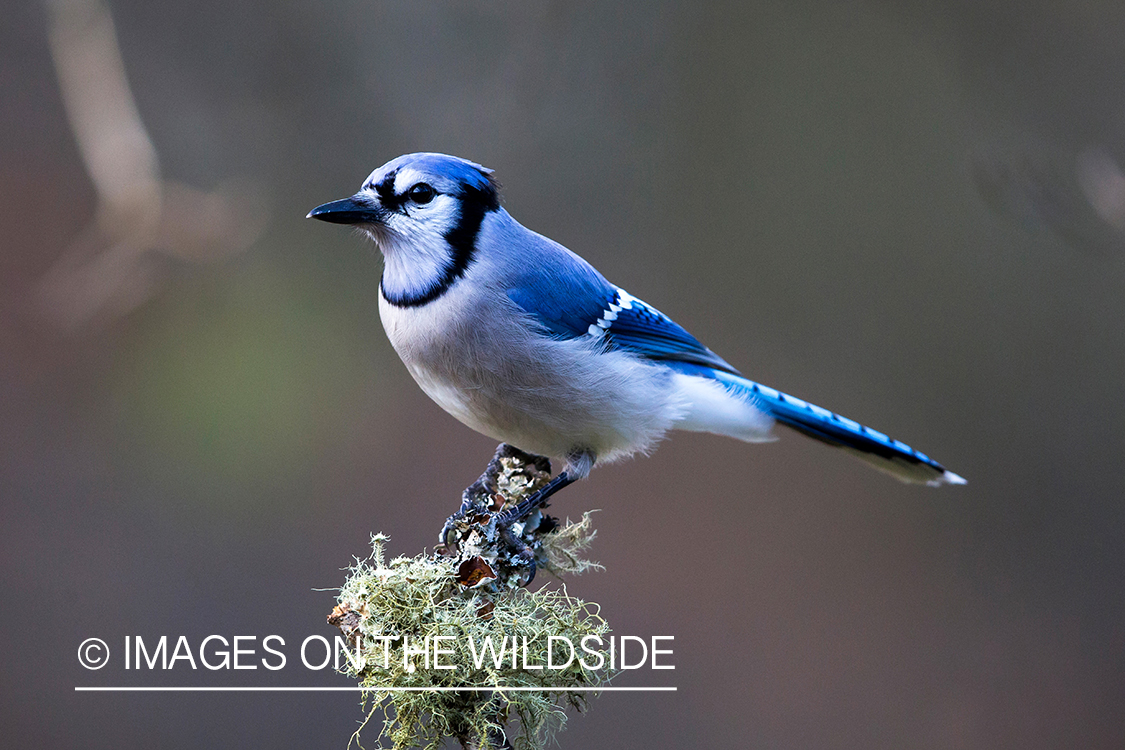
(544, 396)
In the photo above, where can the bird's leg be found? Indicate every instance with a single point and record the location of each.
(532, 503)
(578, 466)
(535, 500)
(483, 519)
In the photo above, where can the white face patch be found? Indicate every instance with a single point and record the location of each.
(434, 218)
(416, 252)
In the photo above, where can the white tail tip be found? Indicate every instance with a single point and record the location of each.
(947, 478)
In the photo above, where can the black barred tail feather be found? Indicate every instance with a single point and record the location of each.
(884, 453)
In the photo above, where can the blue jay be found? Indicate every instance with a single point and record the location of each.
(523, 341)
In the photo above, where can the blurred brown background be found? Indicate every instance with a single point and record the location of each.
(907, 212)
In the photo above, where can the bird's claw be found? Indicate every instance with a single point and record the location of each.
(480, 528)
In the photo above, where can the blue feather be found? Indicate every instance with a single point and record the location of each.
(640, 328)
(564, 296)
(581, 302)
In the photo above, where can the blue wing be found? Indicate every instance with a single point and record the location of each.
(631, 324)
(585, 304)
(563, 293)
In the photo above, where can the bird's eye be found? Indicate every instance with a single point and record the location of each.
(422, 193)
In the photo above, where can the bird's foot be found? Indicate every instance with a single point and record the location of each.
(498, 526)
(501, 478)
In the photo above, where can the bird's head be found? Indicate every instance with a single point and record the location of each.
(424, 211)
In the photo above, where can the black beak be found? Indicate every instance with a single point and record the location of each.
(355, 210)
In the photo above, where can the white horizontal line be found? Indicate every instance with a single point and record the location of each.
(466, 688)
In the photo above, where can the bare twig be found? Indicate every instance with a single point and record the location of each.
(111, 267)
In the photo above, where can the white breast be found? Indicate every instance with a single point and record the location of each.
(428, 345)
(482, 360)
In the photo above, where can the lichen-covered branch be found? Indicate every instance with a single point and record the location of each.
(454, 645)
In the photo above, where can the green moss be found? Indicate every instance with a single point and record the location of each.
(425, 597)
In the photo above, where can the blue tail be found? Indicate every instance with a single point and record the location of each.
(884, 453)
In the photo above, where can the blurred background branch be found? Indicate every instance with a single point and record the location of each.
(115, 264)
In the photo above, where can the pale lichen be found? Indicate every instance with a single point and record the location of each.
(453, 645)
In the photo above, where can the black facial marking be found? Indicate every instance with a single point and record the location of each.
(488, 196)
(462, 238)
(386, 190)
